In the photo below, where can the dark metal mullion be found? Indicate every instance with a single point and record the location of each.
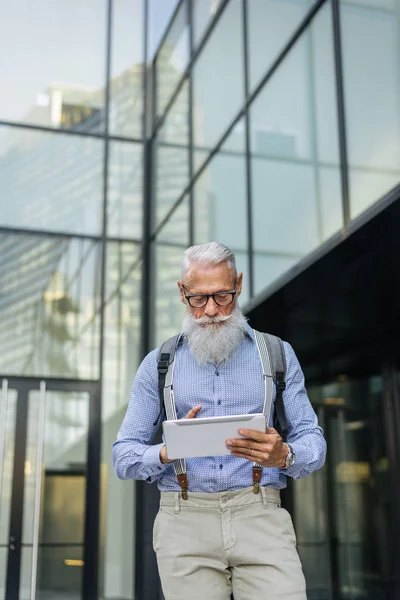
(341, 112)
(250, 247)
(146, 582)
(90, 579)
(190, 118)
(316, 165)
(85, 134)
(17, 495)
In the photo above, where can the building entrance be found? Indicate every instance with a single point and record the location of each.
(48, 537)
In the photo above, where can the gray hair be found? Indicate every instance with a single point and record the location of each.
(210, 254)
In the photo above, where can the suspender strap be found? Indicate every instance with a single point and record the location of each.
(166, 363)
(272, 355)
(276, 353)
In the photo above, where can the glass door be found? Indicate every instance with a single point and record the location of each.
(345, 513)
(49, 539)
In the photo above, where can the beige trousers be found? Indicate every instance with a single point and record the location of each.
(214, 544)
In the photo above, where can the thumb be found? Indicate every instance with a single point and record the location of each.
(193, 412)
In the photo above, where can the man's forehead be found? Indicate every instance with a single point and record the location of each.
(209, 275)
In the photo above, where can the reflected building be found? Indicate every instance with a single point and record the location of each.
(269, 125)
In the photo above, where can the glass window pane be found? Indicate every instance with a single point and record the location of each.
(160, 13)
(122, 324)
(121, 359)
(270, 25)
(172, 59)
(125, 190)
(295, 159)
(126, 94)
(218, 82)
(203, 13)
(220, 196)
(176, 229)
(50, 181)
(49, 320)
(169, 309)
(172, 162)
(65, 44)
(372, 101)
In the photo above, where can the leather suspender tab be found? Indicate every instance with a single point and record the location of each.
(183, 482)
(257, 473)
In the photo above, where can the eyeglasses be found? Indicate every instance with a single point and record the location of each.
(200, 300)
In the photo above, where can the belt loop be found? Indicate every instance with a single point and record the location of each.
(177, 507)
(264, 496)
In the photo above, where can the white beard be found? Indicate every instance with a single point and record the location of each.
(214, 339)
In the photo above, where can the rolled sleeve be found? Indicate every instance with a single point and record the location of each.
(134, 455)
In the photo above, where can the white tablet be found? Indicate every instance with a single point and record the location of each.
(206, 436)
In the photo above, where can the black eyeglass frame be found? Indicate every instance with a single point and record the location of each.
(208, 296)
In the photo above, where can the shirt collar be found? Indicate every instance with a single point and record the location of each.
(249, 332)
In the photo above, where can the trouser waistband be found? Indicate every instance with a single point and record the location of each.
(221, 499)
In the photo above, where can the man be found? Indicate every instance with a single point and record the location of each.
(223, 538)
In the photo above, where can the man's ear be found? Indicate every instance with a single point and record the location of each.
(239, 282)
(181, 292)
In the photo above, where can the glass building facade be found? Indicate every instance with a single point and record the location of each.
(129, 130)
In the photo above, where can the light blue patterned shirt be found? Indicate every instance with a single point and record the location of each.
(235, 386)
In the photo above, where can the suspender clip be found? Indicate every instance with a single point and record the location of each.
(183, 482)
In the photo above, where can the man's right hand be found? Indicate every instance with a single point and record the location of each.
(192, 414)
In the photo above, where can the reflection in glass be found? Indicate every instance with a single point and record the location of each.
(295, 173)
(169, 309)
(122, 326)
(125, 190)
(63, 481)
(49, 322)
(121, 359)
(220, 196)
(270, 25)
(160, 13)
(176, 229)
(172, 59)
(355, 486)
(126, 93)
(64, 84)
(372, 101)
(51, 181)
(218, 81)
(203, 13)
(172, 158)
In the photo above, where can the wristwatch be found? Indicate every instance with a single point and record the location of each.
(290, 458)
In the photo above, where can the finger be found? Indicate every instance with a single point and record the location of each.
(258, 436)
(258, 457)
(247, 446)
(193, 412)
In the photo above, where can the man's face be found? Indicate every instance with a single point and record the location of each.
(210, 280)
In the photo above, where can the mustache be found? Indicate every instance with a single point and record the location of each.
(208, 320)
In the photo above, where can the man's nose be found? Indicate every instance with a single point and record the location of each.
(211, 308)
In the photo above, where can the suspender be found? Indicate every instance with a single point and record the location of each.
(272, 356)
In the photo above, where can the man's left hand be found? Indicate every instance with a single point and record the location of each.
(266, 449)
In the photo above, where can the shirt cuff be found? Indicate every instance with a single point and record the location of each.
(301, 461)
(151, 460)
